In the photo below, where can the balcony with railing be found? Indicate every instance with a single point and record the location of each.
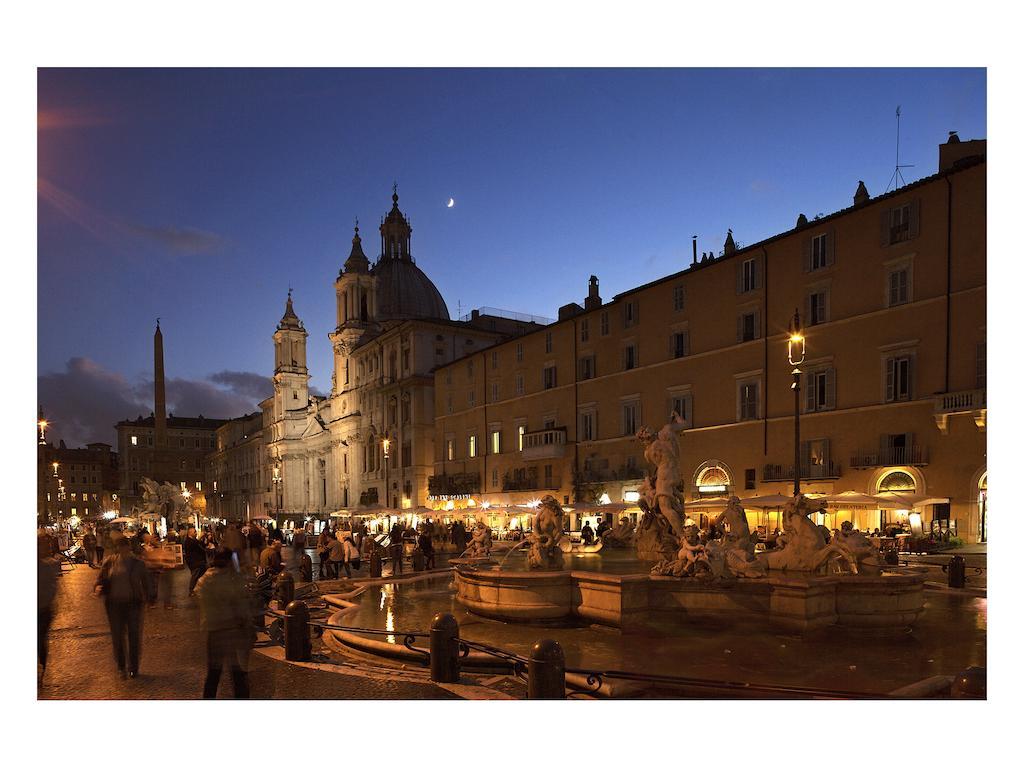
(463, 483)
(904, 456)
(827, 470)
(527, 479)
(972, 401)
(544, 444)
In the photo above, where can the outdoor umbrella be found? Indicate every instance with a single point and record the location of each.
(717, 502)
(122, 520)
(260, 516)
(898, 500)
(765, 503)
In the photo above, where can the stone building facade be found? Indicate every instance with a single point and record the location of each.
(370, 441)
(892, 294)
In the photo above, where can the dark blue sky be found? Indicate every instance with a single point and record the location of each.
(200, 195)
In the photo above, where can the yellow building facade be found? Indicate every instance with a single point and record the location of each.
(891, 293)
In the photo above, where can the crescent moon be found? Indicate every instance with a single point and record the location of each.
(451, 202)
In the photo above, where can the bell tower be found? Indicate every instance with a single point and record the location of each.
(355, 291)
(395, 232)
(291, 377)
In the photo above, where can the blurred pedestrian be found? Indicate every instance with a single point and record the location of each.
(270, 558)
(47, 571)
(335, 557)
(194, 555)
(102, 543)
(89, 545)
(122, 584)
(299, 541)
(322, 542)
(426, 545)
(226, 617)
(350, 554)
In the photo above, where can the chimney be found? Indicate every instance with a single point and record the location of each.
(694, 249)
(730, 244)
(593, 298)
(861, 196)
(956, 151)
(159, 396)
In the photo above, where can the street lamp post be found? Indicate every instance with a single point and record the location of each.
(796, 349)
(386, 443)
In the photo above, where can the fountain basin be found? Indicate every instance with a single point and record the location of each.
(794, 602)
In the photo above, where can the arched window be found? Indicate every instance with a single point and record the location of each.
(897, 481)
(712, 479)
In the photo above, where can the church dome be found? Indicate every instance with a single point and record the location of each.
(404, 291)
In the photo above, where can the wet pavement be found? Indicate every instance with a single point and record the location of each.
(81, 663)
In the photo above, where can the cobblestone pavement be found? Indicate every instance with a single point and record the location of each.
(81, 663)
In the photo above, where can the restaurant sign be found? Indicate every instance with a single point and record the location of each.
(453, 497)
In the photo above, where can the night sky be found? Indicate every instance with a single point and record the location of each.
(199, 196)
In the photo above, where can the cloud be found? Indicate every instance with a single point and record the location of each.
(84, 401)
(114, 230)
(70, 117)
(182, 240)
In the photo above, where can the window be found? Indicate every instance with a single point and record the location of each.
(405, 359)
(585, 329)
(183, 485)
(547, 342)
(679, 344)
(74, 496)
(899, 224)
(980, 369)
(749, 276)
(520, 431)
(149, 441)
(630, 417)
(748, 326)
(683, 405)
(439, 351)
(550, 377)
(548, 476)
(678, 298)
(494, 477)
(519, 384)
(588, 425)
(471, 399)
(449, 402)
(495, 441)
(749, 400)
(898, 372)
(820, 390)
(749, 479)
(817, 307)
(604, 323)
(630, 313)
(135, 440)
(899, 286)
(494, 391)
(494, 360)
(519, 352)
(199, 485)
(587, 367)
(450, 449)
(630, 357)
(820, 252)
(472, 446)
(181, 442)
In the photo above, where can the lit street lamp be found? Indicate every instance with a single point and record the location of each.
(386, 443)
(796, 349)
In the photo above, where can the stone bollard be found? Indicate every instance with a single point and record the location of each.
(375, 564)
(285, 588)
(970, 684)
(956, 572)
(546, 671)
(297, 645)
(417, 560)
(444, 649)
(305, 567)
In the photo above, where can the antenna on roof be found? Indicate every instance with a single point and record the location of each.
(897, 175)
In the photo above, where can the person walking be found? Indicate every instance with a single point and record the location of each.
(587, 534)
(350, 554)
(47, 571)
(194, 555)
(270, 558)
(426, 545)
(226, 613)
(102, 543)
(335, 557)
(89, 545)
(122, 584)
(154, 556)
(322, 542)
(299, 542)
(397, 548)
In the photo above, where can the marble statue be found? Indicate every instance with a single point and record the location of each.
(548, 527)
(662, 451)
(480, 543)
(729, 557)
(859, 550)
(653, 539)
(621, 534)
(163, 500)
(802, 546)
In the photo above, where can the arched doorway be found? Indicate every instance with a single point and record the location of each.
(900, 481)
(983, 508)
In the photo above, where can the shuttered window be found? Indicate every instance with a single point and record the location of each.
(898, 373)
(900, 223)
(820, 390)
(679, 344)
(899, 286)
(749, 399)
(748, 326)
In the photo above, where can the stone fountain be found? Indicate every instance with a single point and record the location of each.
(804, 585)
